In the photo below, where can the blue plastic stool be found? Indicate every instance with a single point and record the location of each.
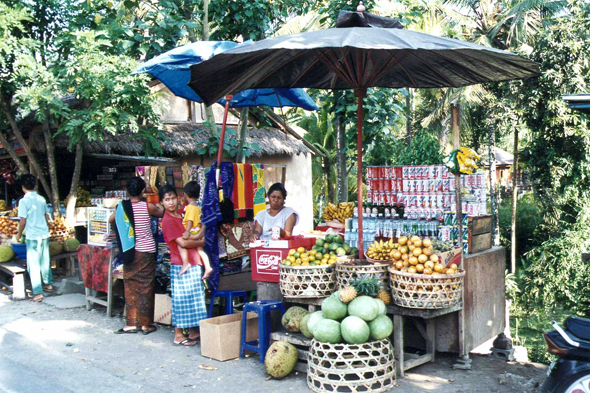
(263, 309)
(229, 300)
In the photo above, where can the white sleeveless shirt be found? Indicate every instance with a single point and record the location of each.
(267, 222)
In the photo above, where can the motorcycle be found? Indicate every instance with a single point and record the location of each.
(571, 372)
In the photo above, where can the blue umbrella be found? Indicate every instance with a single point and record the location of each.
(173, 70)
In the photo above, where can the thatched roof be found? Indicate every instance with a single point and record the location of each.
(502, 157)
(185, 139)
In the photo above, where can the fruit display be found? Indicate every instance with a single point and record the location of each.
(280, 359)
(70, 245)
(3, 205)
(8, 227)
(325, 252)
(351, 323)
(382, 251)
(416, 255)
(13, 212)
(366, 285)
(340, 213)
(55, 248)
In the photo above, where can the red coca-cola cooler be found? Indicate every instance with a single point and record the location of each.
(266, 258)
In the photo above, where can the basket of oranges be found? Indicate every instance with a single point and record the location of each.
(307, 274)
(418, 279)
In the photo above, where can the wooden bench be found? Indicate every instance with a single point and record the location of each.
(16, 269)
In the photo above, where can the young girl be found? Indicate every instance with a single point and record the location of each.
(188, 292)
(192, 223)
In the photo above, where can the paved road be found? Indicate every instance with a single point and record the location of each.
(45, 349)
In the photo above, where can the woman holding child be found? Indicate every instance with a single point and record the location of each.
(189, 265)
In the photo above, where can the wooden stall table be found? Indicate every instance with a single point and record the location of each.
(70, 259)
(427, 330)
(91, 293)
(16, 269)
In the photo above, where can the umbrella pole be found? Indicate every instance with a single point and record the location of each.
(228, 99)
(360, 94)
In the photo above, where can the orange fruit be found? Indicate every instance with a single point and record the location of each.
(412, 269)
(301, 250)
(405, 257)
(454, 266)
(413, 260)
(399, 265)
(426, 243)
(449, 271)
(422, 258)
(427, 270)
(434, 258)
(403, 249)
(397, 255)
(417, 251)
(429, 264)
(414, 238)
(411, 247)
(427, 251)
(402, 240)
(439, 268)
(292, 251)
(406, 264)
(419, 268)
(418, 243)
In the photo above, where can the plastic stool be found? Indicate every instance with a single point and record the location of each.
(229, 300)
(263, 309)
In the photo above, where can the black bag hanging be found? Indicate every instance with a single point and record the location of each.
(226, 206)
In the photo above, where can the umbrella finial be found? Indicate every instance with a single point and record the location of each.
(360, 8)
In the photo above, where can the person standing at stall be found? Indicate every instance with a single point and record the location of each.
(137, 247)
(278, 215)
(188, 291)
(32, 210)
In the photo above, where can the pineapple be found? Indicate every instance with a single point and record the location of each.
(348, 294)
(366, 285)
(385, 296)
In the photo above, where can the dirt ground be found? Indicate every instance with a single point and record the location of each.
(44, 348)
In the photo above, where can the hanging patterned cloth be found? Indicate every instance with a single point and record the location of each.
(258, 188)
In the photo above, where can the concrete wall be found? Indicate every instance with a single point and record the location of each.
(298, 182)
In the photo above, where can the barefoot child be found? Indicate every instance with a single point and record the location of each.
(193, 228)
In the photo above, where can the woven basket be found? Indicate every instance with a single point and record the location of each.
(307, 281)
(426, 291)
(368, 367)
(346, 273)
(386, 261)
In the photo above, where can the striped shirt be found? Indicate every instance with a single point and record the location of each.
(144, 240)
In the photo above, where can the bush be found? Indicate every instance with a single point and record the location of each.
(528, 220)
(554, 272)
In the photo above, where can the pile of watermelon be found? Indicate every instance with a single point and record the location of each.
(357, 322)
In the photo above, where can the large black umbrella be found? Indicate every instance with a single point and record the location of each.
(355, 58)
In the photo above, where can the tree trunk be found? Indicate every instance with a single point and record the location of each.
(52, 168)
(73, 196)
(514, 204)
(24, 144)
(341, 159)
(409, 113)
(493, 193)
(329, 184)
(8, 147)
(241, 158)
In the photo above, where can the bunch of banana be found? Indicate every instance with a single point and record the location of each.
(13, 212)
(465, 158)
(381, 250)
(2, 205)
(341, 212)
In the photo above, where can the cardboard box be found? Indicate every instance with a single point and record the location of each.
(163, 309)
(221, 336)
(450, 257)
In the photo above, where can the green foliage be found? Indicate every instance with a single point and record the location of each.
(230, 143)
(528, 222)
(555, 273)
(424, 149)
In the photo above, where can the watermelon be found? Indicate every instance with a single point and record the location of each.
(336, 295)
(311, 322)
(327, 331)
(328, 238)
(364, 307)
(382, 307)
(338, 239)
(303, 326)
(354, 330)
(333, 308)
(381, 327)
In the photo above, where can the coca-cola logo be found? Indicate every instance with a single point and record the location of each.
(269, 262)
